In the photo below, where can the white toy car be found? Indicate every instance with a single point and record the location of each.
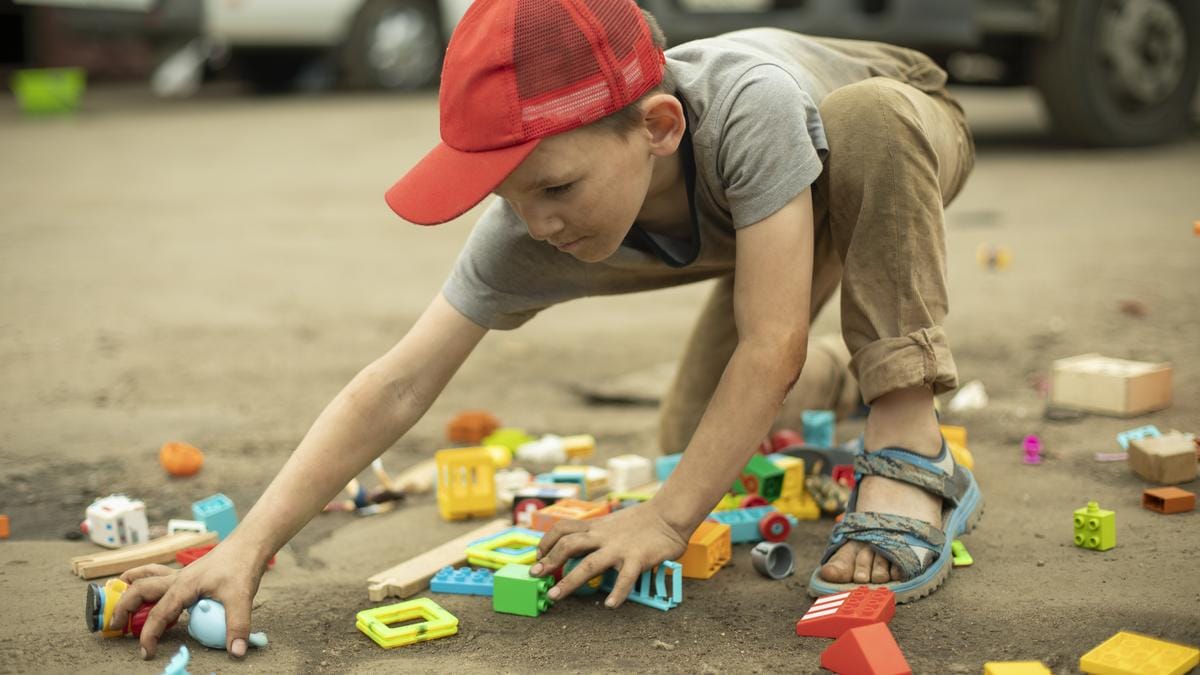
(115, 521)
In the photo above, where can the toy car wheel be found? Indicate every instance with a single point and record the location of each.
(753, 501)
(750, 483)
(523, 511)
(774, 527)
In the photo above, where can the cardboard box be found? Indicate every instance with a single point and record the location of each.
(1099, 384)
(1166, 459)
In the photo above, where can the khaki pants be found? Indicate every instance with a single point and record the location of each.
(898, 153)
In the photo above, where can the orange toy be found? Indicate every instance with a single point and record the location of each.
(180, 459)
(471, 426)
(3, 527)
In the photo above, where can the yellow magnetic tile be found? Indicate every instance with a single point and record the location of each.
(1015, 668)
(1131, 654)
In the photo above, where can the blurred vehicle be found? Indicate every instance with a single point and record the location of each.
(1111, 72)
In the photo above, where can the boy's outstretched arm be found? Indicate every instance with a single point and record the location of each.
(375, 409)
(772, 294)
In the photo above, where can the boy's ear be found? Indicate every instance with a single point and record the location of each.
(662, 115)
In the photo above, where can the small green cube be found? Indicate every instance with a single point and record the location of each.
(515, 592)
(1095, 528)
(760, 477)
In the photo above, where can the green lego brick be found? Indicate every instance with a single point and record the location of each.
(1095, 528)
(515, 592)
(760, 477)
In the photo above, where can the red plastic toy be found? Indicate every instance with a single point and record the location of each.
(832, 615)
(843, 473)
(190, 555)
(785, 438)
(866, 650)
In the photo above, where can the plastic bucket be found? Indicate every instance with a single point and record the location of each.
(49, 91)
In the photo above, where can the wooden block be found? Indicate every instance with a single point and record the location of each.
(1166, 459)
(1168, 500)
(1108, 386)
(412, 576)
(161, 550)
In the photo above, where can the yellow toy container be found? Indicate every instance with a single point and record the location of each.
(466, 483)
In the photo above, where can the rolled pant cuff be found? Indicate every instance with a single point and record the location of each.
(921, 358)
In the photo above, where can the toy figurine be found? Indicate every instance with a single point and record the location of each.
(1033, 449)
(206, 623)
(102, 602)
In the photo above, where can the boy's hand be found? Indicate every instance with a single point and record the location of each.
(226, 574)
(631, 540)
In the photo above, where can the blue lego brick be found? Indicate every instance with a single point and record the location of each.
(1148, 431)
(663, 466)
(463, 581)
(217, 514)
(818, 428)
(651, 588)
(743, 523)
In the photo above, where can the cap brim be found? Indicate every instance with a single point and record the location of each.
(446, 183)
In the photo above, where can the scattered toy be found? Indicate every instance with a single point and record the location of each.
(206, 623)
(466, 485)
(4, 527)
(568, 509)
(760, 477)
(217, 513)
(180, 459)
(962, 558)
(1168, 500)
(829, 495)
(818, 427)
(1110, 456)
(755, 524)
(1135, 308)
(708, 550)
(592, 480)
(178, 663)
(1099, 384)
(190, 555)
(508, 481)
(1147, 431)
(971, 396)
(462, 581)
(102, 601)
(651, 588)
(831, 615)
(509, 437)
(389, 626)
(867, 649)
(626, 472)
(794, 499)
(470, 427)
(992, 257)
(664, 465)
(412, 576)
(1095, 528)
(1032, 445)
(1167, 459)
(785, 438)
(537, 496)
(115, 521)
(160, 550)
(515, 592)
(515, 545)
(1128, 652)
(1015, 668)
(774, 560)
(551, 449)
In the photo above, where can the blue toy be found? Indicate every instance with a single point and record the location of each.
(1148, 431)
(178, 663)
(663, 466)
(463, 581)
(651, 587)
(206, 623)
(755, 524)
(217, 514)
(818, 428)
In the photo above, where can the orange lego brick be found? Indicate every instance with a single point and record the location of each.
(3, 527)
(866, 649)
(1168, 500)
(832, 615)
(573, 509)
(1131, 654)
(708, 550)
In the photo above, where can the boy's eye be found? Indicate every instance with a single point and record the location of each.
(558, 189)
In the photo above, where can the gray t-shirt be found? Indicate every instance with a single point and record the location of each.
(751, 99)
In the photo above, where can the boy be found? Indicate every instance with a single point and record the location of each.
(782, 165)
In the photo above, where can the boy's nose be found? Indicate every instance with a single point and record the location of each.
(544, 228)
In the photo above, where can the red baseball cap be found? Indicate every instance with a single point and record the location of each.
(515, 72)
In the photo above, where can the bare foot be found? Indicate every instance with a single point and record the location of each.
(903, 419)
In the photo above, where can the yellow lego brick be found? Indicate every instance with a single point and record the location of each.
(729, 502)
(1131, 654)
(1015, 668)
(962, 456)
(954, 434)
(377, 623)
(803, 507)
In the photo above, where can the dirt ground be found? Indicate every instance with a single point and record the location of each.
(215, 270)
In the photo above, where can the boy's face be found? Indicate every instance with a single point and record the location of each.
(581, 190)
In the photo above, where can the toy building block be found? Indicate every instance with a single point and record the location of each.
(760, 477)
(794, 498)
(708, 549)
(1015, 668)
(537, 496)
(1168, 459)
(818, 427)
(869, 649)
(4, 531)
(516, 545)
(161, 550)
(631, 497)
(831, 615)
(507, 483)
(1168, 500)
(652, 588)
(785, 438)
(551, 449)
(962, 558)
(510, 437)
(572, 509)
(390, 626)
(217, 513)
(755, 524)
(1132, 654)
(663, 466)
(1098, 384)
(466, 485)
(629, 471)
(412, 576)
(1147, 431)
(462, 581)
(115, 521)
(177, 525)
(471, 427)
(1095, 528)
(954, 434)
(515, 592)
(592, 480)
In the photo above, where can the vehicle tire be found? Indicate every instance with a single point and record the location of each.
(774, 527)
(1120, 72)
(394, 44)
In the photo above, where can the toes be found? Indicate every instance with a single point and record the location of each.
(897, 575)
(864, 560)
(881, 570)
(840, 568)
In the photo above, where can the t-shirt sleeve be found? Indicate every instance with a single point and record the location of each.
(771, 143)
(503, 277)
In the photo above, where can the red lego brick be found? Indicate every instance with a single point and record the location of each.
(866, 650)
(1168, 500)
(832, 615)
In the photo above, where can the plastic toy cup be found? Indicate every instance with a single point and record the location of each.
(49, 91)
(773, 560)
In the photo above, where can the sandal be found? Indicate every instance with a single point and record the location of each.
(920, 550)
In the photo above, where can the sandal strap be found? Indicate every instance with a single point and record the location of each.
(909, 467)
(892, 536)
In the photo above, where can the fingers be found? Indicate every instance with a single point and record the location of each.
(147, 589)
(153, 570)
(625, 579)
(551, 551)
(166, 611)
(592, 565)
(237, 623)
